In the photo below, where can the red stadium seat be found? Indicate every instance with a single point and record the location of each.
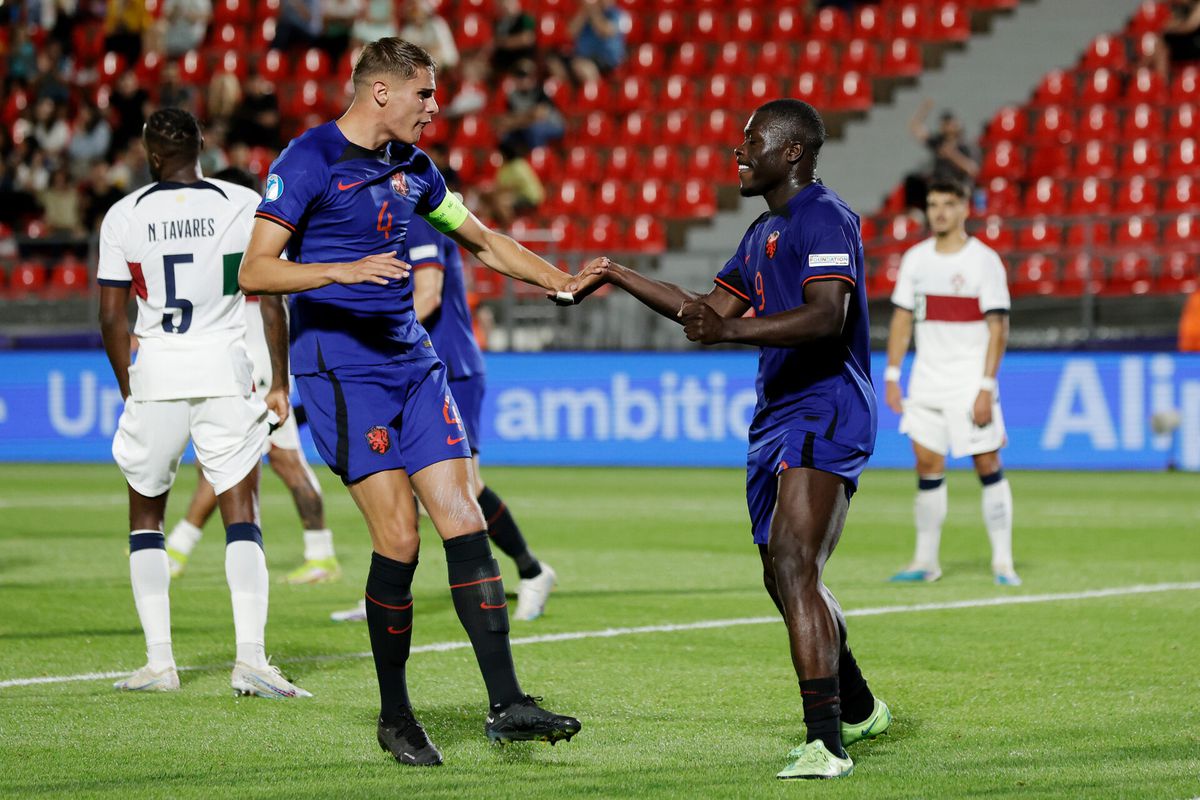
(568, 198)
(1102, 86)
(230, 37)
(1037, 274)
(1055, 125)
(1095, 159)
(1105, 52)
(788, 24)
(679, 129)
(816, 56)
(1183, 158)
(233, 62)
(232, 11)
(871, 22)
(1136, 196)
(690, 60)
(721, 91)
(612, 197)
(1010, 123)
(1184, 122)
(69, 278)
(1178, 273)
(1003, 160)
(668, 29)
(1182, 234)
(882, 278)
(602, 234)
(697, 199)
(1048, 160)
(148, 68)
(1151, 15)
(624, 163)
(995, 234)
(264, 34)
(1142, 157)
(1082, 274)
(1040, 236)
(583, 164)
(646, 234)
(553, 32)
(711, 164)
(1136, 231)
(1142, 121)
(635, 94)
(1098, 123)
(314, 64)
(851, 92)
(951, 23)
(29, 277)
(561, 92)
(1182, 195)
(650, 196)
(111, 67)
(1004, 199)
(664, 163)
(593, 96)
(1057, 88)
(901, 58)
(810, 87)
(1130, 274)
(1146, 86)
(711, 26)
(775, 57)
(1185, 85)
(911, 22)
(1044, 196)
(748, 25)
(1088, 235)
(273, 65)
(762, 87)
(637, 129)
(474, 131)
(721, 128)
(678, 91)
(732, 58)
(830, 24)
(902, 229)
(474, 31)
(648, 60)
(860, 55)
(597, 128)
(1090, 196)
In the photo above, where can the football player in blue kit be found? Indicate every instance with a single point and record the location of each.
(800, 267)
(339, 199)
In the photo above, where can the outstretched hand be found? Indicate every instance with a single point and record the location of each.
(701, 323)
(593, 275)
(278, 403)
(381, 268)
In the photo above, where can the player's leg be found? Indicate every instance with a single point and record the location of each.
(150, 439)
(187, 532)
(320, 561)
(809, 514)
(926, 428)
(997, 516)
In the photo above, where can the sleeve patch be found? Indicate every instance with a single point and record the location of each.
(829, 259)
(423, 252)
(449, 214)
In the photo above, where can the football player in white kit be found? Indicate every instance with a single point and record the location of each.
(178, 244)
(955, 288)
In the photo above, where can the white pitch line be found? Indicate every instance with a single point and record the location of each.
(608, 633)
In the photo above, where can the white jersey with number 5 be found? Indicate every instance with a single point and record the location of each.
(949, 294)
(179, 246)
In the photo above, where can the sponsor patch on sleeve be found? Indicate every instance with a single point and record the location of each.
(423, 252)
(829, 259)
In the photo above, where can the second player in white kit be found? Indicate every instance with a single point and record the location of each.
(953, 290)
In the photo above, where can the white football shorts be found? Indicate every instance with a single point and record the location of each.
(287, 435)
(229, 434)
(952, 430)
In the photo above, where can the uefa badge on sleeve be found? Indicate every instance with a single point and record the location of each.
(274, 188)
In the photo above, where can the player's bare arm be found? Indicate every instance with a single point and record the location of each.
(275, 326)
(997, 322)
(427, 291)
(899, 336)
(821, 317)
(507, 256)
(114, 330)
(665, 298)
(263, 272)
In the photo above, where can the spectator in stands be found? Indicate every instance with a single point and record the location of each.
(255, 121)
(130, 104)
(129, 169)
(473, 89)
(125, 23)
(952, 156)
(22, 59)
(516, 191)
(31, 168)
(598, 28)
(184, 25)
(173, 92)
(425, 28)
(60, 202)
(99, 196)
(299, 25)
(532, 119)
(515, 37)
(50, 128)
(441, 156)
(377, 21)
(224, 96)
(48, 82)
(90, 141)
(1180, 38)
(339, 17)
(212, 157)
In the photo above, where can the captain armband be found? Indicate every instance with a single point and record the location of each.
(449, 214)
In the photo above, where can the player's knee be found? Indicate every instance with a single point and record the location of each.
(987, 464)
(794, 563)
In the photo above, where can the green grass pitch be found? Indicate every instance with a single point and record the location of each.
(1079, 698)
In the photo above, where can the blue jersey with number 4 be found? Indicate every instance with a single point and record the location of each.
(341, 203)
(823, 387)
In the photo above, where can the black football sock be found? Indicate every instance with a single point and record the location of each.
(507, 536)
(389, 622)
(823, 712)
(857, 700)
(479, 600)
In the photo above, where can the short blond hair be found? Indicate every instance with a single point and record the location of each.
(391, 55)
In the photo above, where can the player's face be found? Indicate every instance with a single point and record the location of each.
(946, 212)
(760, 161)
(410, 106)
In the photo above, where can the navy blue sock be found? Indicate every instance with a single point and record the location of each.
(823, 712)
(389, 623)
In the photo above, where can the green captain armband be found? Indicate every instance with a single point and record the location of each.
(448, 215)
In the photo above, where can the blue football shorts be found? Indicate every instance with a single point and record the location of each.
(468, 394)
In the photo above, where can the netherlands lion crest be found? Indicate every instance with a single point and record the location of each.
(378, 439)
(399, 184)
(772, 244)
